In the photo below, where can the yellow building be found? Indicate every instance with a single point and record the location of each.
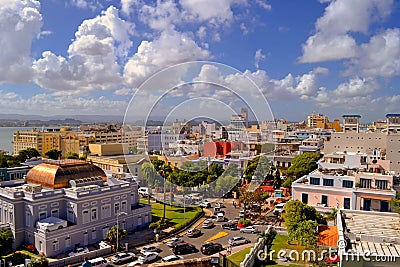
(321, 121)
(109, 149)
(314, 119)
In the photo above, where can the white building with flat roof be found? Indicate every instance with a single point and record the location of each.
(82, 202)
(368, 239)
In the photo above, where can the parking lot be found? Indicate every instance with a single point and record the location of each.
(230, 213)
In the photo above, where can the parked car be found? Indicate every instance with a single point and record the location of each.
(211, 248)
(238, 240)
(135, 263)
(184, 248)
(205, 204)
(172, 258)
(173, 241)
(150, 248)
(100, 262)
(144, 191)
(148, 257)
(122, 257)
(194, 232)
(241, 214)
(208, 224)
(220, 217)
(279, 208)
(219, 205)
(145, 258)
(218, 210)
(236, 219)
(230, 226)
(79, 250)
(249, 229)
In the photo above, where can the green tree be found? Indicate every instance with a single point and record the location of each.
(277, 180)
(41, 262)
(149, 175)
(225, 183)
(112, 235)
(72, 155)
(288, 182)
(32, 152)
(3, 161)
(259, 166)
(306, 233)
(218, 170)
(232, 170)
(303, 164)
(250, 197)
(251, 168)
(396, 203)
(133, 150)
(331, 216)
(25, 154)
(53, 154)
(157, 164)
(6, 240)
(297, 212)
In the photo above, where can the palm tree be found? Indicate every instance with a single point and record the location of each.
(331, 216)
(115, 234)
(267, 238)
(149, 174)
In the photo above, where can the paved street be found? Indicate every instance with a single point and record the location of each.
(230, 214)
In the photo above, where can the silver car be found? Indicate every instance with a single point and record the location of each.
(238, 240)
(249, 229)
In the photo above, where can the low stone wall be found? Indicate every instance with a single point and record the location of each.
(73, 260)
(251, 256)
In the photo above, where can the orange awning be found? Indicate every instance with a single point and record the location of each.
(376, 197)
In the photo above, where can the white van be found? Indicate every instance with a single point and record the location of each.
(145, 191)
(279, 208)
(100, 262)
(220, 217)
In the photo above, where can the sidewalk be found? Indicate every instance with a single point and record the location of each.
(139, 238)
(236, 249)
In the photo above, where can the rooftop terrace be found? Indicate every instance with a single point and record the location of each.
(375, 232)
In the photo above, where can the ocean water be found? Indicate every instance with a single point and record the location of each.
(6, 136)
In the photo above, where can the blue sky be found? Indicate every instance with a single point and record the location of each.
(91, 56)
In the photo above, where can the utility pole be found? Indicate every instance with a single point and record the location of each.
(164, 174)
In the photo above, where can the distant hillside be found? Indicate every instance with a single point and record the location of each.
(60, 119)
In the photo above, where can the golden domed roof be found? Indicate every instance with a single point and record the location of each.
(57, 173)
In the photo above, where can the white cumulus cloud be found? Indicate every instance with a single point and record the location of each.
(92, 61)
(380, 56)
(332, 39)
(170, 48)
(352, 94)
(20, 24)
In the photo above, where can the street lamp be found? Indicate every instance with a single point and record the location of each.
(118, 214)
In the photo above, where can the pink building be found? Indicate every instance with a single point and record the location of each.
(346, 186)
